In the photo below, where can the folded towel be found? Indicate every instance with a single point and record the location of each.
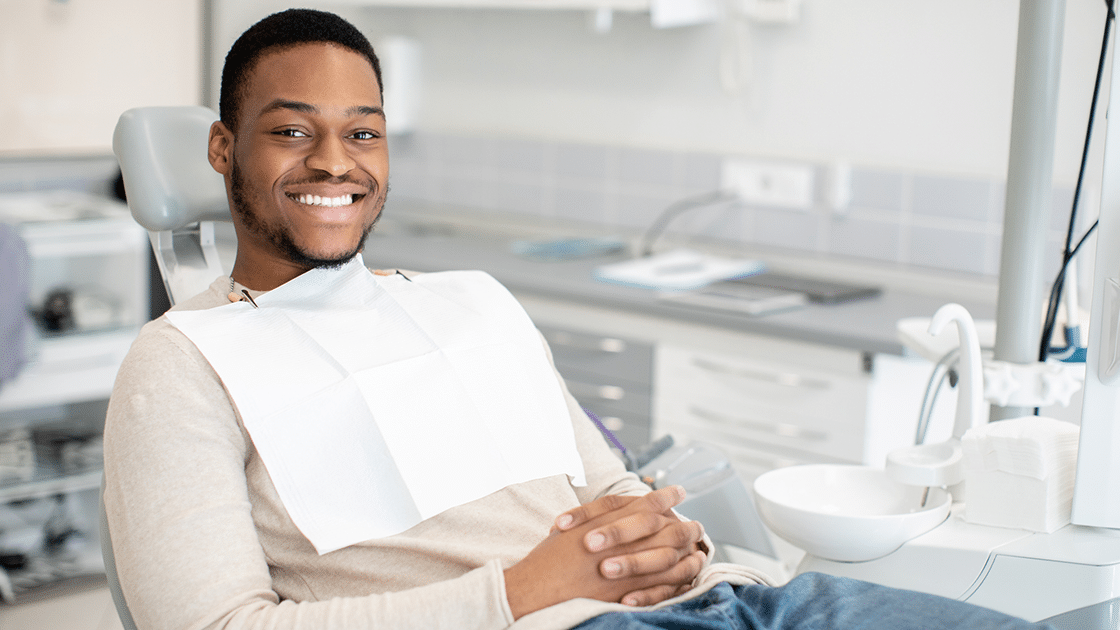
(1020, 473)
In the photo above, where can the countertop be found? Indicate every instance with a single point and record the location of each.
(866, 324)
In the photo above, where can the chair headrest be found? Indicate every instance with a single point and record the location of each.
(167, 177)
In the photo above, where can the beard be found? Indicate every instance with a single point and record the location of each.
(280, 236)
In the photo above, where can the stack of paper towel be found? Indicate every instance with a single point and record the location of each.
(1020, 473)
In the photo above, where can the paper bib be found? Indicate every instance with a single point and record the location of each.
(376, 402)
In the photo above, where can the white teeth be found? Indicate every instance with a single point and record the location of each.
(331, 202)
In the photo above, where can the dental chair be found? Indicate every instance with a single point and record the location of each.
(174, 193)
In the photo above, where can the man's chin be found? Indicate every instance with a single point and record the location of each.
(333, 262)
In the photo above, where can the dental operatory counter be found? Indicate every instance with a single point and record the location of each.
(866, 324)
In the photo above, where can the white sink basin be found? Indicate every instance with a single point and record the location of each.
(846, 513)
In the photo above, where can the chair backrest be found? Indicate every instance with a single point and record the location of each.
(111, 565)
(173, 191)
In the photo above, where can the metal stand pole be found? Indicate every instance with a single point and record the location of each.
(1029, 173)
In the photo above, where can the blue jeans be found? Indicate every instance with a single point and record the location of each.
(811, 601)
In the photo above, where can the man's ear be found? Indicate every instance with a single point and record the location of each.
(220, 148)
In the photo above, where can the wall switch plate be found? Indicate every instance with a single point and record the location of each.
(769, 183)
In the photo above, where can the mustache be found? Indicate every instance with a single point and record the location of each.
(325, 178)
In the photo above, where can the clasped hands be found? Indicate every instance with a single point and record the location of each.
(632, 550)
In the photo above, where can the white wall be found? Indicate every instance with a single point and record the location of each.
(68, 68)
(912, 85)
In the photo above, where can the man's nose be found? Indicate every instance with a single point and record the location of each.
(330, 155)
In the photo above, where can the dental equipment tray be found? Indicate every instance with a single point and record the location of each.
(815, 290)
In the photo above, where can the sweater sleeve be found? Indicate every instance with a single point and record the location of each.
(184, 539)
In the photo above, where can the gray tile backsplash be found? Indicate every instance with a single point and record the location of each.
(870, 238)
(950, 198)
(878, 190)
(655, 168)
(953, 250)
(905, 219)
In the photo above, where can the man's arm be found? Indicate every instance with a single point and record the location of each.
(188, 551)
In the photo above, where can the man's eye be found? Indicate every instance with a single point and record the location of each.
(364, 135)
(291, 133)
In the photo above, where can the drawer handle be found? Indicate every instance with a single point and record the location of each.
(783, 429)
(766, 463)
(602, 392)
(785, 379)
(613, 423)
(610, 345)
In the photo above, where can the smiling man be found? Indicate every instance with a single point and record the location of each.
(210, 529)
(352, 450)
(302, 145)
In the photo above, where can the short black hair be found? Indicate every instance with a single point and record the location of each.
(281, 31)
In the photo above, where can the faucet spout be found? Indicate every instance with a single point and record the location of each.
(970, 388)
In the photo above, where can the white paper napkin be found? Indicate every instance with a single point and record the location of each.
(377, 402)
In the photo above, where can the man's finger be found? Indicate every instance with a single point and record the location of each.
(625, 530)
(650, 596)
(671, 583)
(643, 562)
(663, 499)
(590, 511)
(638, 525)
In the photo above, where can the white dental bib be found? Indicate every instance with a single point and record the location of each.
(376, 402)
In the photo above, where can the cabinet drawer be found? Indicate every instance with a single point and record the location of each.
(813, 438)
(591, 353)
(732, 382)
(778, 412)
(609, 393)
(632, 430)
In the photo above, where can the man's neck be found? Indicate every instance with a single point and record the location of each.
(263, 275)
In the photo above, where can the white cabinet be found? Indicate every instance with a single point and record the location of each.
(767, 402)
(88, 293)
(100, 267)
(765, 412)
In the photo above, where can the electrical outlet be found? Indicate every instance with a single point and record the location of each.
(769, 184)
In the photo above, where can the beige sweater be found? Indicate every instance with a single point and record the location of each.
(203, 541)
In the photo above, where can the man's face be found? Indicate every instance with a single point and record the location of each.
(308, 167)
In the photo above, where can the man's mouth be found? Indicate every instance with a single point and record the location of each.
(326, 202)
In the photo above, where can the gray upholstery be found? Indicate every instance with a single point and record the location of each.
(173, 191)
(167, 178)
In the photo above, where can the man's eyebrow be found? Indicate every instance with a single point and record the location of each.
(365, 110)
(308, 108)
(298, 106)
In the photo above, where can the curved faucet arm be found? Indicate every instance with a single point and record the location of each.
(970, 390)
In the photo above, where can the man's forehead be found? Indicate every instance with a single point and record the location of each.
(310, 72)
